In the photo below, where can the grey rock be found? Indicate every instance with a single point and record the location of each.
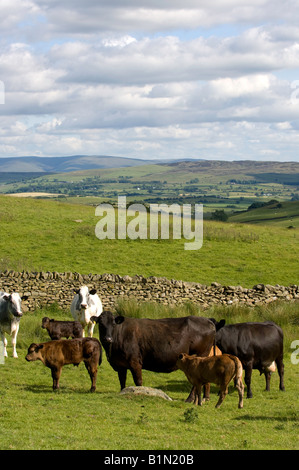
(153, 392)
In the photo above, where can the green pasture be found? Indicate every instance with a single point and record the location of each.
(282, 214)
(34, 417)
(43, 235)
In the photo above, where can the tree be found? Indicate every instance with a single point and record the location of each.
(219, 215)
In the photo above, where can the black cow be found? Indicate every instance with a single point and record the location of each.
(141, 343)
(59, 329)
(257, 345)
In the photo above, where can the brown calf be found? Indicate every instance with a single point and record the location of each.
(56, 354)
(219, 370)
(215, 351)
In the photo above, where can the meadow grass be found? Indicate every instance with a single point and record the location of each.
(34, 417)
(44, 235)
(284, 214)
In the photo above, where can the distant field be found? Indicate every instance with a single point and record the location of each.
(213, 183)
(282, 214)
(37, 194)
(57, 236)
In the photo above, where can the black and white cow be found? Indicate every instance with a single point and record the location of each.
(10, 315)
(86, 304)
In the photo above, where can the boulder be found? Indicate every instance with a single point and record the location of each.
(153, 392)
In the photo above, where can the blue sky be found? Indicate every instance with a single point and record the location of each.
(149, 79)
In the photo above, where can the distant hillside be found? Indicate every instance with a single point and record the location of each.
(66, 164)
(284, 214)
(254, 170)
(179, 170)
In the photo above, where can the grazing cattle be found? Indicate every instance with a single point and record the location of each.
(257, 345)
(62, 329)
(56, 354)
(10, 316)
(86, 304)
(140, 343)
(219, 370)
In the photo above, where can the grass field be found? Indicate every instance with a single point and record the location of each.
(49, 235)
(280, 214)
(34, 417)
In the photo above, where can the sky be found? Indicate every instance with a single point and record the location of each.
(150, 79)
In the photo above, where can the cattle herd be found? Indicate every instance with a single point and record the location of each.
(207, 351)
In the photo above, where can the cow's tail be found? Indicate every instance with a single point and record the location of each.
(238, 368)
(101, 355)
(238, 382)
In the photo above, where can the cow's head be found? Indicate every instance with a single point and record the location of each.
(83, 300)
(181, 360)
(14, 303)
(107, 324)
(45, 322)
(34, 353)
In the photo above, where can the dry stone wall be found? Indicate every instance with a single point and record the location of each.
(45, 288)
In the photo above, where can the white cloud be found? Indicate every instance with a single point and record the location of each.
(77, 18)
(145, 79)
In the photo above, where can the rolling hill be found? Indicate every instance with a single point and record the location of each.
(284, 213)
(66, 164)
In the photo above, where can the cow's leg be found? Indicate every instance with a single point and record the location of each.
(198, 392)
(240, 387)
(192, 396)
(223, 393)
(206, 392)
(83, 328)
(136, 371)
(56, 372)
(122, 375)
(90, 329)
(267, 377)
(14, 341)
(248, 372)
(4, 340)
(92, 370)
(280, 369)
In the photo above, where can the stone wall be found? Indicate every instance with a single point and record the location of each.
(44, 288)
